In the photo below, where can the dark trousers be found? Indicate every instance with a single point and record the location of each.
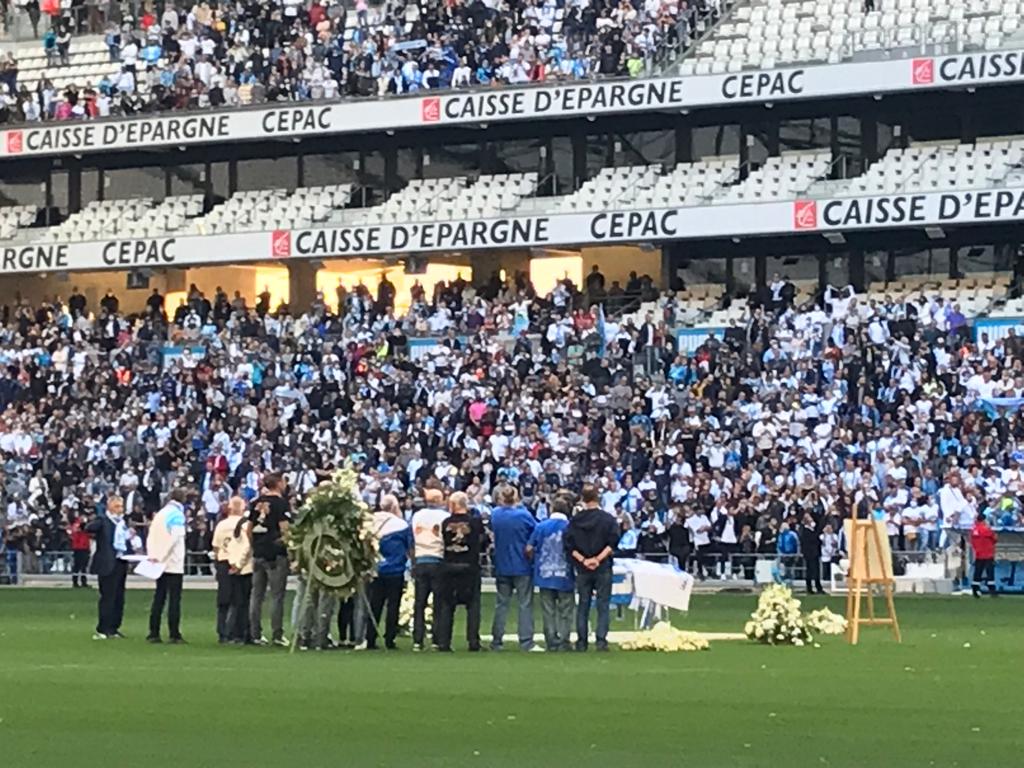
(427, 581)
(458, 589)
(812, 574)
(238, 612)
(704, 560)
(385, 590)
(272, 574)
(682, 556)
(984, 573)
(346, 623)
(168, 590)
(223, 573)
(79, 567)
(590, 585)
(111, 602)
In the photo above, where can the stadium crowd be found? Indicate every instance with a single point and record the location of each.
(760, 442)
(227, 54)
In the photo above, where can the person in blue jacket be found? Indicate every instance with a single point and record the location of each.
(788, 547)
(512, 525)
(553, 574)
(395, 544)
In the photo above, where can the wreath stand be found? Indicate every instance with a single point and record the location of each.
(317, 575)
(870, 567)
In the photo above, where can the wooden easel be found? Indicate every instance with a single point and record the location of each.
(870, 566)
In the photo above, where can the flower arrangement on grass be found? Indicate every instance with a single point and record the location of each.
(825, 622)
(331, 541)
(666, 638)
(777, 620)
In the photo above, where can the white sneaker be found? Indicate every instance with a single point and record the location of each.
(283, 642)
(100, 636)
(536, 649)
(361, 647)
(262, 641)
(417, 647)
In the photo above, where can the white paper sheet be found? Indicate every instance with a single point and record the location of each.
(149, 570)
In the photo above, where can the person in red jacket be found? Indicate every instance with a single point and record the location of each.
(983, 542)
(80, 548)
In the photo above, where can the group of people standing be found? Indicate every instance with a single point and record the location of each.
(249, 554)
(567, 558)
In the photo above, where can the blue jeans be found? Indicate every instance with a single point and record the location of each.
(12, 566)
(523, 586)
(589, 584)
(927, 540)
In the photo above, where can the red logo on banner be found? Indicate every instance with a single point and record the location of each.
(15, 142)
(805, 214)
(281, 244)
(430, 110)
(922, 71)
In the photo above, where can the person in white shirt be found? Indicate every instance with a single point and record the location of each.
(461, 75)
(214, 499)
(700, 529)
(428, 557)
(165, 545)
(928, 525)
(957, 511)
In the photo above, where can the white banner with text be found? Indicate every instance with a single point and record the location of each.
(453, 107)
(591, 228)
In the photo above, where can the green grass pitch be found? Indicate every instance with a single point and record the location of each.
(66, 700)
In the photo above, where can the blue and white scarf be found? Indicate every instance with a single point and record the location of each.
(120, 535)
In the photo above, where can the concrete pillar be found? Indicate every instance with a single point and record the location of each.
(301, 285)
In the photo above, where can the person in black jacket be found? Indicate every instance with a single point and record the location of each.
(590, 542)
(810, 548)
(679, 540)
(113, 542)
(464, 538)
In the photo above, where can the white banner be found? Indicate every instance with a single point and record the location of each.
(500, 105)
(594, 228)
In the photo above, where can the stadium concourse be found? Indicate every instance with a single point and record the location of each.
(813, 407)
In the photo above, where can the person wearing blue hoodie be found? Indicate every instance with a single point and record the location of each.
(788, 548)
(512, 525)
(395, 544)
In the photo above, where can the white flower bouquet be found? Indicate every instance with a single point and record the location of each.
(666, 638)
(777, 620)
(825, 622)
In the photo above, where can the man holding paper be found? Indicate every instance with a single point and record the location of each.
(165, 547)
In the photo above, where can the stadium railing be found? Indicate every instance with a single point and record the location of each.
(738, 567)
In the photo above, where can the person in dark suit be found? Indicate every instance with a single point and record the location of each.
(113, 542)
(810, 548)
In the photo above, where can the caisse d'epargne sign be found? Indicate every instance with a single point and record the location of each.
(549, 101)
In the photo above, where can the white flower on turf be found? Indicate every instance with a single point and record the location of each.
(666, 638)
